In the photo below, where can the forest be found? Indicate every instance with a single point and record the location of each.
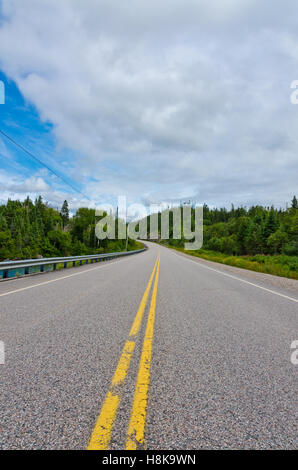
(33, 229)
(257, 230)
(259, 238)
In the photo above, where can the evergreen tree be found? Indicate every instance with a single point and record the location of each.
(242, 234)
(294, 203)
(271, 225)
(253, 239)
(277, 241)
(30, 229)
(64, 213)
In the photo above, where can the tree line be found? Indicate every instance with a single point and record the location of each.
(34, 229)
(248, 231)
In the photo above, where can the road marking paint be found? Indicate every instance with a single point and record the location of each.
(137, 424)
(238, 278)
(101, 434)
(124, 362)
(61, 278)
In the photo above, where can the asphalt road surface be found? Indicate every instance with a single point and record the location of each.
(149, 351)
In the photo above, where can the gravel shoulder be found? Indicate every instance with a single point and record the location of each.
(291, 285)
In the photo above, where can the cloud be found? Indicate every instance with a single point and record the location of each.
(32, 184)
(17, 184)
(163, 100)
(16, 188)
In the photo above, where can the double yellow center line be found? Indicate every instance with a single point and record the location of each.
(101, 434)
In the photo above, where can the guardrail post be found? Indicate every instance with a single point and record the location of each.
(25, 265)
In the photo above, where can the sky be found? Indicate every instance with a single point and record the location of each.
(159, 101)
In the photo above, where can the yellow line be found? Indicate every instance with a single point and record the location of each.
(136, 427)
(123, 364)
(101, 434)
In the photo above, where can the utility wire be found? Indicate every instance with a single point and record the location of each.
(43, 164)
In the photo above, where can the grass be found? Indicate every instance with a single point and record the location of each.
(278, 265)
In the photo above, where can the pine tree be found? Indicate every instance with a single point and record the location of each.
(271, 224)
(64, 213)
(253, 240)
(294, 203)
(242, 234)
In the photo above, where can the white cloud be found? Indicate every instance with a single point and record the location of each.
(30, 185)
(164, 100)
(16, 188)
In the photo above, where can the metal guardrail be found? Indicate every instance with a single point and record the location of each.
(26, 264)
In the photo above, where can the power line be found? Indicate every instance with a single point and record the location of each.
(43, 164)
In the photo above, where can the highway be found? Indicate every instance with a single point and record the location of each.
(157, 350)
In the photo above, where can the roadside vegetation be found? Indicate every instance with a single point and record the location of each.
(263, 239)
(278, 265)
(33, 229)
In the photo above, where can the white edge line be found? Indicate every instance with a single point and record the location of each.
(60, 278)
(237, 278)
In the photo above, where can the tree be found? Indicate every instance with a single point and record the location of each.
(29, 229)
(229, 245)
(61, 241)
(214, 244)
(64, 213)
(242, 234)
(277, 241)
(271, 225)
(253, 239)
(291, 248)
(7, 246)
